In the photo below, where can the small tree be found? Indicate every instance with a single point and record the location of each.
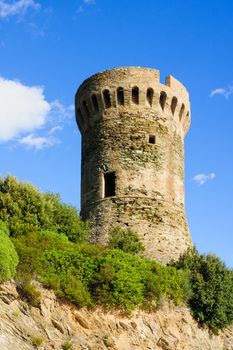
(8, 255)
(212, 284)
(126, 240)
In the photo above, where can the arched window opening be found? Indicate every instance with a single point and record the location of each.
(135, 95)
(187, 115)
(162, 99)
(95, 103)
(181, 111)
(149, 96)
(173, 105)
(120, 96)
(107, 98)
(86, 109)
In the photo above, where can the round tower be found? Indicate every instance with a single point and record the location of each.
(133, 130)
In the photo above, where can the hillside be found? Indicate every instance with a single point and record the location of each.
(57, 325)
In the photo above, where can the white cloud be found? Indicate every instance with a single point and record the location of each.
(58, 109)
(226, 92)
(24, 110)
(38, 142)
(200, 179)
(19, 7)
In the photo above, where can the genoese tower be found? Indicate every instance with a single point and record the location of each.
(133, 130)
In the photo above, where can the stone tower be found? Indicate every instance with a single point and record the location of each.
(133, 130)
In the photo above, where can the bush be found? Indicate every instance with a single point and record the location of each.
(126, 240)
(25, 210)
(129, 281)
(119, 281)
(167, 283)
(212, 284)
(31, 293)
(32, 246)
(37, 342)
(8, 255)
(66, 346)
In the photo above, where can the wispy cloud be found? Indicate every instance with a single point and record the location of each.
(38, 142)
(226, 92)
(8, 9)
(200, 179)
(24, 110)
(81, 8)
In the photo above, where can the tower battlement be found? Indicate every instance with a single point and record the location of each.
(136, 87)
(133, 130)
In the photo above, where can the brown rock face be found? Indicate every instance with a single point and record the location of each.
(54, 324)
(133, 130)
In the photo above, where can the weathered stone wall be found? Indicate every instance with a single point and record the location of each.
(117, 127)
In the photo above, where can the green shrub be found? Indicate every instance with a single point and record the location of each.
(25, 210)
(32, 246)
(128, 281)
(126, 240)
(212, 284)
(67, 346)
(8, 255)
(31, 293)
(37, 342)
(167, 283)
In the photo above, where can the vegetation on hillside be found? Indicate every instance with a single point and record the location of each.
(48, 241)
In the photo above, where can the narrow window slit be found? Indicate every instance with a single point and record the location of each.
(95, 103)
(149, 96)
(162, 99)
(135, 95)
(181, 111)
(173, 105)
(107, 98)
(109, 184)
(120, 96)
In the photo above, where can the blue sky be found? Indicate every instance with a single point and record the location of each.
(47, 48)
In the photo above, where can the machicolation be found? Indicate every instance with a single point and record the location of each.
(133, 130)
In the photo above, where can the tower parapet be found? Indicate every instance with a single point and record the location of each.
(133, 130)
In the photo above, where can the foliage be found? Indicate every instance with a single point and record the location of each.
(126, 240)
(37, 342)
(212, 283)
(30, 248)
(88, 274)
(67, 346)
(166, 282)
(25, 210)
(8, 255)
(31, 293)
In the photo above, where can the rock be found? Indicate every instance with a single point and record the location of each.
(81, 320)
(169, 328)
(58, 326)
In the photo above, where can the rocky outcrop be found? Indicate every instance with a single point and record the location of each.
(59, 325)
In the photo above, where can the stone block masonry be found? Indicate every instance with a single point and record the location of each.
(133, 130)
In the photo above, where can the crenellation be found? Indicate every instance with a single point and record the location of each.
(133, 127)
